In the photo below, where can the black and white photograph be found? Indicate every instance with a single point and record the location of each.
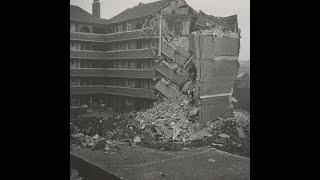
(160, 89)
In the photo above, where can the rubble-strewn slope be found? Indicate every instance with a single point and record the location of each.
(171, 124)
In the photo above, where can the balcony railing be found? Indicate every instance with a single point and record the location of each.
(112, 72)
(121, 54)
(120, 36)
(115, 90)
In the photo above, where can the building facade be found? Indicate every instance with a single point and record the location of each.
(113, 60)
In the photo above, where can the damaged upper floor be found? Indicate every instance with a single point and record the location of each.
(178, 18)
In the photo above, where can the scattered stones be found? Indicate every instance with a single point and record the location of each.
(185, 101)
(78, 135)
(214, 144)
(224, 135)
(137, 139)
(100, 144)
(106, 149)
(220, 140)
(170, 122)
(240, 132)
(194, 111)
(96, 136)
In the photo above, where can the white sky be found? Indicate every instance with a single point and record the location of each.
(110, 8)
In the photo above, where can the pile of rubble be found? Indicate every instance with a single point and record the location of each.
(172, 123)
(189, 81)
(74, 175)
(176, 120)
(169, 120)
(95, 142)
(107, 123)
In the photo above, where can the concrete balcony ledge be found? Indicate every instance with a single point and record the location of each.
(113, 37)
(123, 54)
(112, 72)
(115, 90)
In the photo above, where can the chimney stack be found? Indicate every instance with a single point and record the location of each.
(96, 8)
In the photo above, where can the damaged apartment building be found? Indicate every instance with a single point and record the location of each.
(151, 51)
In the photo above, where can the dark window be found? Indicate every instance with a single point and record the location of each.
(139, 44)
(138, 26)
(85, 29)
(139, 64)
(178, 28)
(120, 28)
(108, 30)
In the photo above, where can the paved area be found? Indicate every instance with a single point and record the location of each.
(143, 163)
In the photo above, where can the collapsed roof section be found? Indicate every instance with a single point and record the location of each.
(229, 23)
(203, 21)
(141, 10)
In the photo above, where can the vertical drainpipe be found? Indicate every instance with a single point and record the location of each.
(202, 120)
(160, 28)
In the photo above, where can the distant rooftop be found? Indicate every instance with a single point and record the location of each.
(140, 10)
(80, 15)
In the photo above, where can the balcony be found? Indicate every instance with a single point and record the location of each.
(115, 90)
(120, 36)
(111, 72)
(122, 54)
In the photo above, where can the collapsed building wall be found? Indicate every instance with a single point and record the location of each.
(217, 59)
(201, 67)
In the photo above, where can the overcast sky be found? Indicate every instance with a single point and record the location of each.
(110, 8)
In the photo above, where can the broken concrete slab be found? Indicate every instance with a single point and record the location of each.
(167, 89)
(185, 101)
(180, 58)
(223, 135)
(185, 87)
(168, 50)
(170, 72)
(137, 139)
(240, 132)
(221, 140)
(172, 53)
(194, 112)
(215, 144)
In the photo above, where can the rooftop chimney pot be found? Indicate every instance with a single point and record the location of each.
(96, 8)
